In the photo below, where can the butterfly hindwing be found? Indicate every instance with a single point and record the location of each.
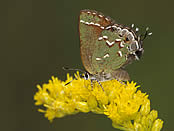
(109, 55)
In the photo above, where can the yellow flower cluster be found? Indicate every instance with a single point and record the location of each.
(127, 107)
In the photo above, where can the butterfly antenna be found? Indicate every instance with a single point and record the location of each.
(136, 29)
(146, 33)
(132, 26)
(66, 68)
(81, 75)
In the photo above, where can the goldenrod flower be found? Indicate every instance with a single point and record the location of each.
(127, 107)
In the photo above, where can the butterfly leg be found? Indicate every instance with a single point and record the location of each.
(97, 82)
(100, 84)
(92, 84)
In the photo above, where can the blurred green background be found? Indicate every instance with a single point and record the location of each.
(39, 37)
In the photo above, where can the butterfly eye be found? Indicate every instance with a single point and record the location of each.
(139, 53)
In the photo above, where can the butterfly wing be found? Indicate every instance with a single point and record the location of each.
(91, 25)
(104, 44)
(110, 54)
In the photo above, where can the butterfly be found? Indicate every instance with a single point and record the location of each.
(106, 47)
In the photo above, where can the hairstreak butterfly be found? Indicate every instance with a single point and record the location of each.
(107, 47)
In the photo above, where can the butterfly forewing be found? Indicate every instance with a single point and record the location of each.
(91, 25)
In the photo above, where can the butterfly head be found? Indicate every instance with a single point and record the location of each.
(136, 47)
